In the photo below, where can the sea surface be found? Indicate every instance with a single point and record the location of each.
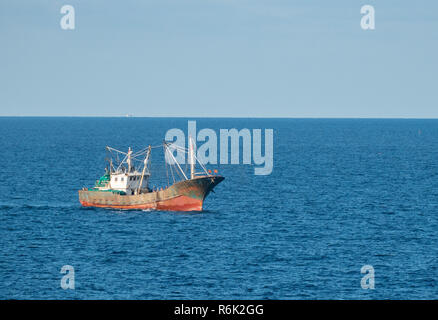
(343, 193)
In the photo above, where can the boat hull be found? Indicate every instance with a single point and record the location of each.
(188, 195)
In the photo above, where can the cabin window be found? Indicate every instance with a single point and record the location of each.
(115, 179)
(122, 179)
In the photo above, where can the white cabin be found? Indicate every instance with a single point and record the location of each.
(129, 182)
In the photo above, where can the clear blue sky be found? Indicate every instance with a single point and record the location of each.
(228, 58)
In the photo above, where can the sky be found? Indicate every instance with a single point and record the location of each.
(219, 58)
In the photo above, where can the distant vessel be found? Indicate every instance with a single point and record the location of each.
(124, 187)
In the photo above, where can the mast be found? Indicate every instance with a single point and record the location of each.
(192, 158)
(128, 161)
(146, 159)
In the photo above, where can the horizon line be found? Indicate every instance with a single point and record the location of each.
(211, 117)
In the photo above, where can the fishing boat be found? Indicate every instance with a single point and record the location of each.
(125, 185)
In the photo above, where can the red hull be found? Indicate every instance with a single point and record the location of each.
(186, 195)
(181, 203)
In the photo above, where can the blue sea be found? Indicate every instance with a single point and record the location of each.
(343, 193)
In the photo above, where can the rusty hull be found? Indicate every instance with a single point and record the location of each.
(188, 195)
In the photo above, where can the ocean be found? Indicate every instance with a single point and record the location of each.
(343, 193)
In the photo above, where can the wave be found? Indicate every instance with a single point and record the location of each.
(38, 206)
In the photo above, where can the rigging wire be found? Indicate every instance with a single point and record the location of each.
(168, 149)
